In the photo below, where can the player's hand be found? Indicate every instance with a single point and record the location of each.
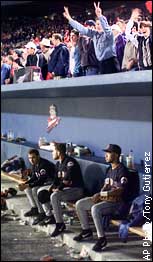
(22, 186)
(95, 198)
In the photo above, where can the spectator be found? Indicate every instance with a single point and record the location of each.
(75, 58)
(17, 56)
(130, 61)
(35, 56)
(145, 46)
(102, 39)
(122, 25)
(68, 185)
(32, 58)
(89, 61)
(46, 51)
(119, 42)
(42, 173)
(5, 70)
(132, 26)
(10, 69)
(66, 37)
(23, 58)
(116, 180)
(58, 64)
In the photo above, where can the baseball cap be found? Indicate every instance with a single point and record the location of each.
(116, 27)
(18, 52)
(113, 148)
(45, 42)
(89, 22)
(31, 45)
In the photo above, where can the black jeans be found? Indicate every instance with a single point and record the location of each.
(109, 66)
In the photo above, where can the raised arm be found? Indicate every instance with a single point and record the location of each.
(66, 13)
(134, 18)
(82, 29)
(98, 10)
(103, 20)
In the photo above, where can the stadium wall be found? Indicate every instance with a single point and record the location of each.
(108, 114)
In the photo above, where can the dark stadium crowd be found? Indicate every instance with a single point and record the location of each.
(63, 46)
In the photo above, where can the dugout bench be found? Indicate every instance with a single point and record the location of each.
(93, 175)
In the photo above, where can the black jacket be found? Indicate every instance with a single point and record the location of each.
(68, 170)
(42, 173)
(36, 59)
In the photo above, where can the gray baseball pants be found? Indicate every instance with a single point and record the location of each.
(33, 198)
(32, 195)
(97, 211)
(68, 194)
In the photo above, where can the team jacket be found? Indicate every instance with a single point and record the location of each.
(118, 177)
(42, 173)
(68, 170)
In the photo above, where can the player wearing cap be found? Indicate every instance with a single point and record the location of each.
(116, 180)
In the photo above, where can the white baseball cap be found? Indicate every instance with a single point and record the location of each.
(31, 45)
(45, 42)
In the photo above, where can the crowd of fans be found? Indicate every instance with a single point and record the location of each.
(61, 49)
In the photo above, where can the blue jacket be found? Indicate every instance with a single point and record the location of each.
(103, 42)
(5, 73)
(59, 61)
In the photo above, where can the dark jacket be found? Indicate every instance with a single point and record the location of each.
(70, 171)
(59, 61)
(87, 51)
(36, 59)
(42, 173)
(120, 45)
(119, 177)
(143, 42)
